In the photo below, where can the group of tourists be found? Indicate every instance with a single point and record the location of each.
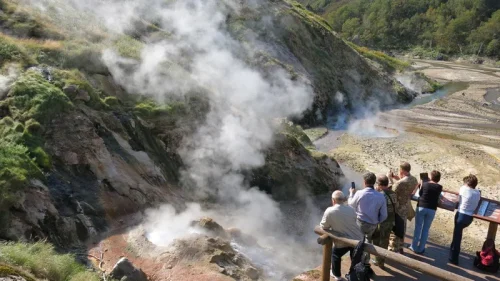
(379, 213)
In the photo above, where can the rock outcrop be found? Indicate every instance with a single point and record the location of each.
(124, 270)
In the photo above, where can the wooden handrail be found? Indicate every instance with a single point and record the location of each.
(377, 251)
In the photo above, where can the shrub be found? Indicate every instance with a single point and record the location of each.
(10, 52)
(33, 127)
(16, 167)
(34, 97)
(43, 262)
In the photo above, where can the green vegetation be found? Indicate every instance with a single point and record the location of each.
(295, 131)
(316, 133)
(43, 262)
(16, 167)
(75, 78)
(438, 26)
(388, 63)
(6, 270)
(151, 109)
(12, 52)
(32, 96)
(128, 47)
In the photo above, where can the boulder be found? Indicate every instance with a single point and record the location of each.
(210, 226)
(124, 270)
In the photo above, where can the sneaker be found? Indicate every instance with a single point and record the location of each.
(340, 278)
(411, 249)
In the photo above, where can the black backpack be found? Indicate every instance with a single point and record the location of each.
(359, 271)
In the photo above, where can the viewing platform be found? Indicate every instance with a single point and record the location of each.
(432, 265)
(435, 255)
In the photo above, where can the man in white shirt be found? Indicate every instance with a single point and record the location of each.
(468, 202)
(340, 219)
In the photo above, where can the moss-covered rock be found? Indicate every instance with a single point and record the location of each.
(32, 96)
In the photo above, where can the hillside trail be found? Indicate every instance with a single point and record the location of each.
(456, 134)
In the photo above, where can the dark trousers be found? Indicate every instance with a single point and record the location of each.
(461, 221)
(337, 255)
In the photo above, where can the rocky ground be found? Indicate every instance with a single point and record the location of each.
(457, 135)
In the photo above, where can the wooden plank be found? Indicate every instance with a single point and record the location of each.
(492, 231)
(327, 243)
(487, 210)
(395, 257)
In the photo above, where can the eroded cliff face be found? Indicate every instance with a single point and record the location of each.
(79, 152)
(306, 45)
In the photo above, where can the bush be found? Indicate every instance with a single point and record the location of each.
(34, 97)
(16, 167)
(10, 52)
(43, 262)
(33, 127)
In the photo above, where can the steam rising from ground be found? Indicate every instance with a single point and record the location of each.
(365, 119)
(198, 55)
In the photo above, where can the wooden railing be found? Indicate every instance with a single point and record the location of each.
(326, 239)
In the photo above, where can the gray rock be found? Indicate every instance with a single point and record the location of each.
(82, 95)
(125, 270)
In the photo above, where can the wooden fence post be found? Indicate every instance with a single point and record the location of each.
(327, 243)
(492, 230)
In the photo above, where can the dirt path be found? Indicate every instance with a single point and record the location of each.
(457, 134)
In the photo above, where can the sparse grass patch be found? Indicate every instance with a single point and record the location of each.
(309, 16)
(288, 128)
(6, 270)
(43, 262)
(389, 63)
(128, 47)
(151, 109)
(12, 52)
(316, 133)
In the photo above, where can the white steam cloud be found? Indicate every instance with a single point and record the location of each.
(199, 55)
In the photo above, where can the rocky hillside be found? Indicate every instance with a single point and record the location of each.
(79, 150)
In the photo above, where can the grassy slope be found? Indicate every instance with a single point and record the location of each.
(40, 261)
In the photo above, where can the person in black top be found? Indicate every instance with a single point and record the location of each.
(429, 192)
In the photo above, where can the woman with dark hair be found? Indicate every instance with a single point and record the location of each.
(469, 200)
(429, 194)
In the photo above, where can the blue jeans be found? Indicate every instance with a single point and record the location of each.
(423, 221)
(461, 221)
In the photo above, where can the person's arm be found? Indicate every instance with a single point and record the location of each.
(324, 221)
(353, 200)
(460, 197)
(382, 215)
